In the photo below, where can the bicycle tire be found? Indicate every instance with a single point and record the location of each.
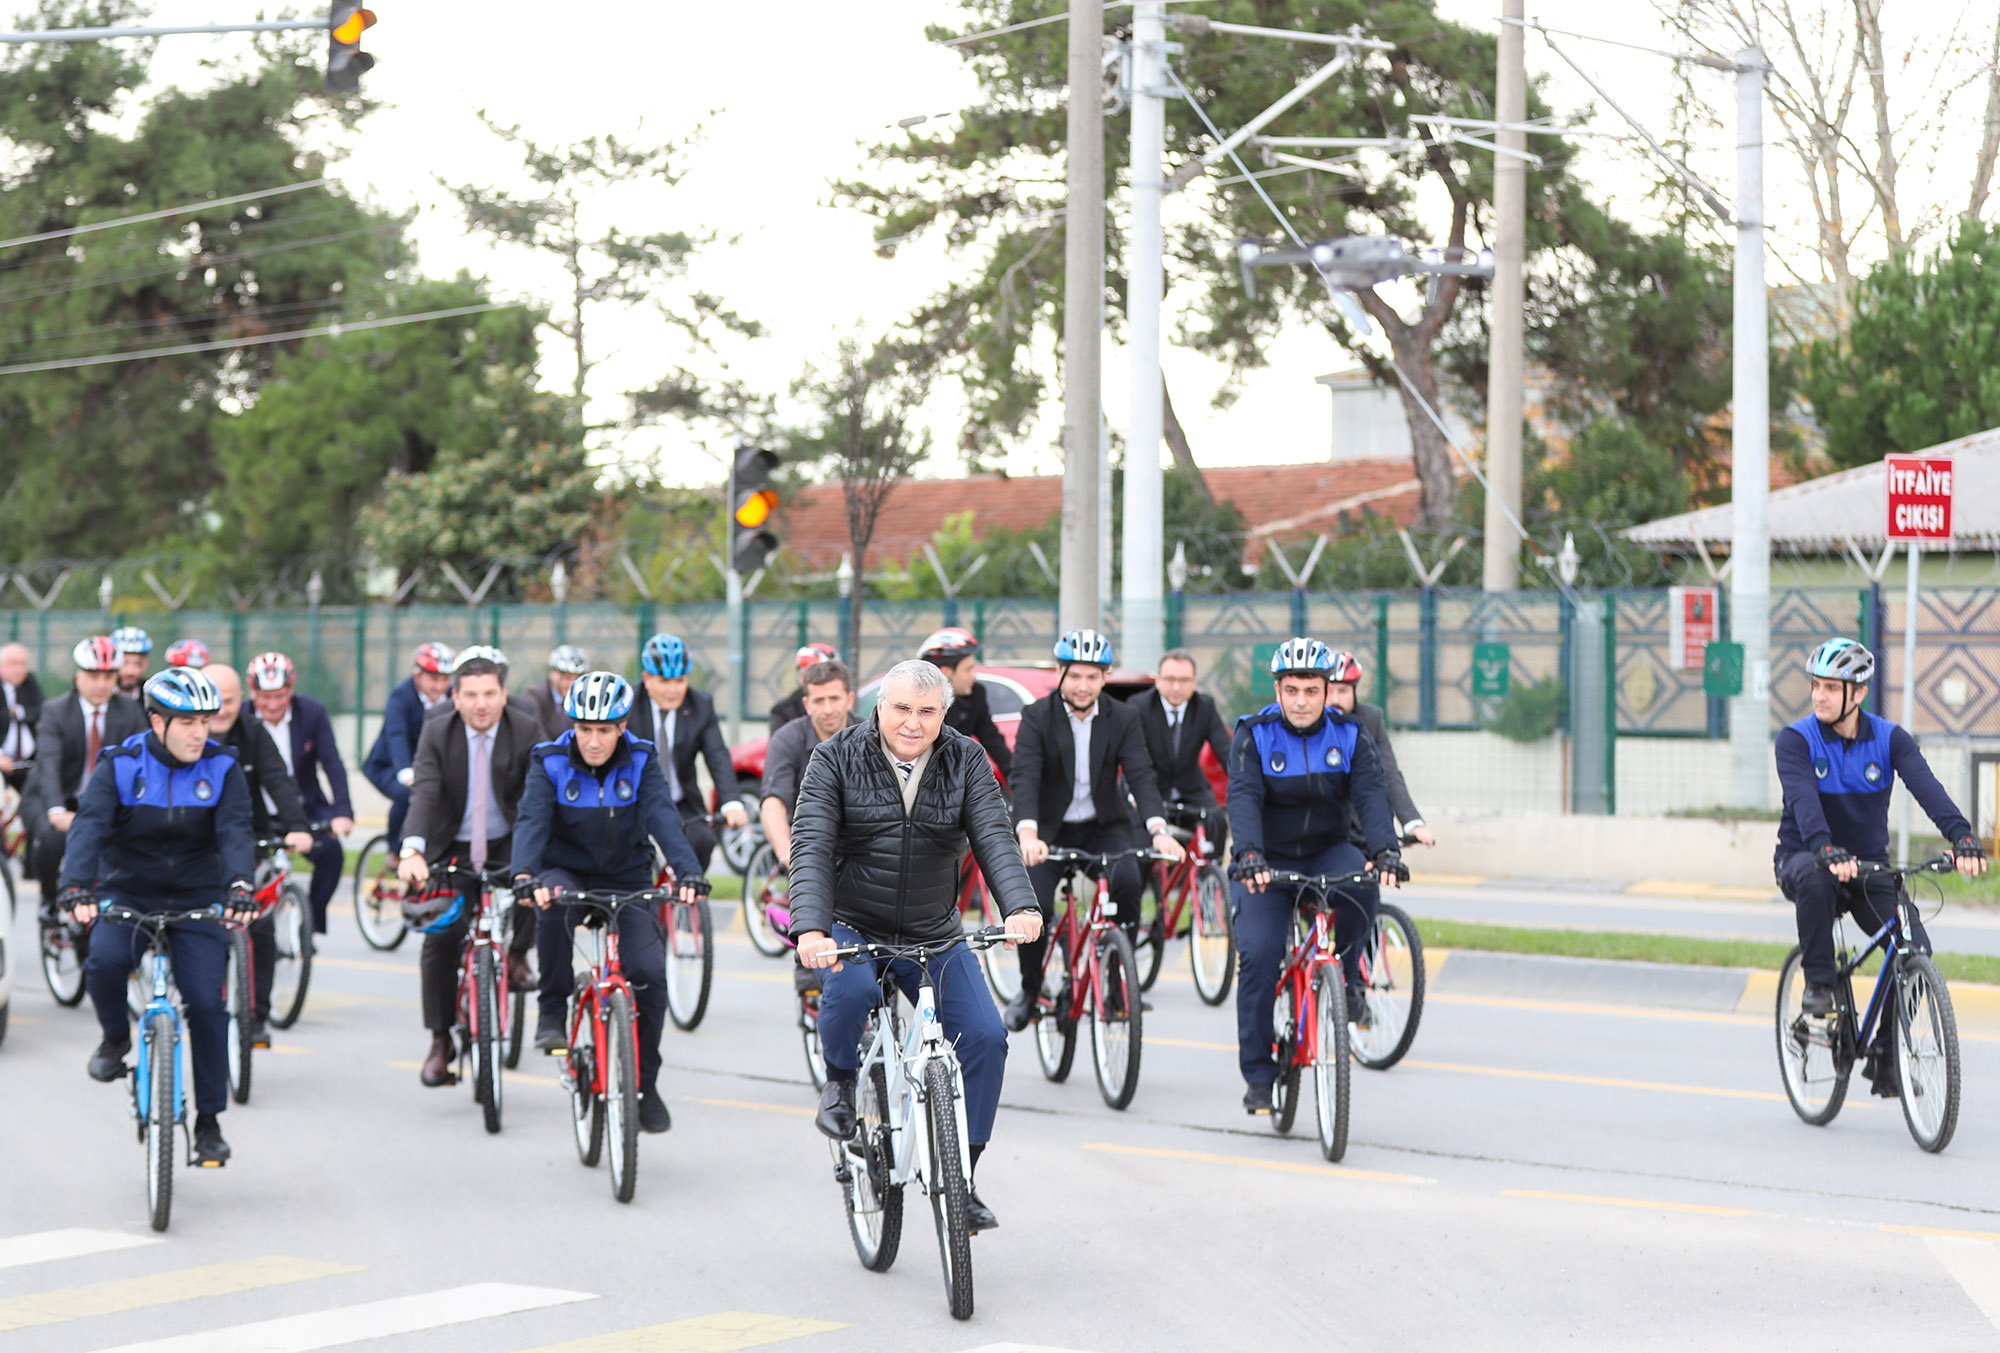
(1330, 1069)
(1926, 1026)
(378, 913)
(241, 1045)
(951, 1194)
(1815, 1057)
(162, 1110)
(1001, 965)
(486, 1038)
(621, 1095)
(760, 883)
(586, 1109)
(874, 1203)
(517, 1025)
(690, 962)
(1394, 964)
(291, 930)
(1285, 1026)
(809, 1036)
(1149, 947)
(63, 948)
(1055, 1030)
(1118, 1007)
(1212, 936)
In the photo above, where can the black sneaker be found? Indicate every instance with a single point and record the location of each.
(836, 1110)
(979, 1217)
(1019, 1011)
(550, 1035)
(1256, 1097)
(1357, 1006)
(1818, 1000)
(108, 1062)
(260, 1033)
(653, 1115)
(210, 1150)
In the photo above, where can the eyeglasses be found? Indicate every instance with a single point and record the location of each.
(924, 712)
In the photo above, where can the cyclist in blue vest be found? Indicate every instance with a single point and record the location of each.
(1299, 772)
(595, 804)
(1837, 766)
(165, 827)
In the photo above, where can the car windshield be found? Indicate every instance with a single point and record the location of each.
(1001, 697)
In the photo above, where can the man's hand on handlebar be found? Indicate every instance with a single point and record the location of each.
(79, 903)
(1034, 850)
(1423, 835)
(1251, 868)
(1390, 871)
(241, 904)
(1023, 927)
(299, 841)
(1969, 856)
(413, 870)
(735, 816)
(693, 888)
(816, 949)
(1838, 862)
(1166, 844)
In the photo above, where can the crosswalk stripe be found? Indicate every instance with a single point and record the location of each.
(42, 1247)
(160, 1289)
(370, 1320)
(723, 1332)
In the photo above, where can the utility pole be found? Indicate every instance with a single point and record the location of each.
(1083, 320)
(1750, 454)
(1504, 373)
(1143, 619)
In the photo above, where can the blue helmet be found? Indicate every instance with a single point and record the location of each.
(599, 697)
(132, 639)
(1085, 646)
(665, 656)
(1304, 657)
(1843, 660)
(182, 692)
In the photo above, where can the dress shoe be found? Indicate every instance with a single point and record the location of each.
(836, 1110)
(437, 1071)
(979, 1217)
(108, 1062)
(519, 976)
(1018, 1011)
(550, 1036)
(653, 1115)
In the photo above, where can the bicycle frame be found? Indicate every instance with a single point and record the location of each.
(490, 929)
(163, 970)
(1177, 881)
(1311, 948)
(606, 976)
(1078, 936)
(1896, 934)
(904, 1054)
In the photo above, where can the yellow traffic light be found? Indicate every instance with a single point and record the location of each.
(350, 30)
(756, 508)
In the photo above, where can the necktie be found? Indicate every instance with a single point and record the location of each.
(904, 768)
(482, 787)
(667, 754)
(1174, 732)
(93, 745)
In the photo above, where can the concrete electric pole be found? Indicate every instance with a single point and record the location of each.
(1750, 454)
(1143, 618)
(1505, 373)
(1083, 321)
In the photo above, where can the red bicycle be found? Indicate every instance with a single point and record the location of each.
(1191, 898)
(483, 1007)
(1097, 975)
(284, 922)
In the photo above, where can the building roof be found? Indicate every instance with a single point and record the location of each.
(1829, 513)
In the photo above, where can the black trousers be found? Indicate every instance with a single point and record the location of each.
(327, 857)
(1099, 838)
(438, 964)
(1817, 897)
(700, 837)
(200, 953)
(642, 956)
(46, 850)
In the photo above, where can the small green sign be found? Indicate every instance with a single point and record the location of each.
(1722, 670)
(1490, 665)
(1260, 662)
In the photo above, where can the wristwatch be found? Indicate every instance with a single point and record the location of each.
(408, 853)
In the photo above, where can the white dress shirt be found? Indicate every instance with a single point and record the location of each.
(20, 742)
(663, 738)
(1081, 807)
(496, 821)
(281, 733)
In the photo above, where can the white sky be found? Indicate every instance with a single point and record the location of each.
(788, 105)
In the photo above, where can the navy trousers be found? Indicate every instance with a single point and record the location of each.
(201, 967)
(1817, 897)
(970, 1021)
(1263, 934)
(399, 808)
(328, 858)
(642, 955)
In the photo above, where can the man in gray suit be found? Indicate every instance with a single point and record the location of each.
(1341, 693)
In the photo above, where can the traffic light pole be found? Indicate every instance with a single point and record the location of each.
(738, 659)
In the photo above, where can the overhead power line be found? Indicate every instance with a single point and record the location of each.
(164, 212)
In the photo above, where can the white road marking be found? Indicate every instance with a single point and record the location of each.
(43, 1247)
(371, 1320)
(1975, 1264)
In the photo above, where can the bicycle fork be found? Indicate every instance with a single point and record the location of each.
(923, 1045)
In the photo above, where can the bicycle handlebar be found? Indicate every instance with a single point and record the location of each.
(1938, 864)
(1064, 855)
(610, 901)
(978, 939)
(157, 920)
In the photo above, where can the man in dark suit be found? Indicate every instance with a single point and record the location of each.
(1178, 721)
(388, 763)
(303, 731)
(567, 662)
(74, 729)
(20, 711)
(1342, 694)
(471, 766)
(681, 722)
(1069, 752)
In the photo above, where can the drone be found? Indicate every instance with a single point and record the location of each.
(1354, 262)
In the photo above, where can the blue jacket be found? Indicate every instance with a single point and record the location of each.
(313, 751)
(148, 827)
(1292, 794)
(599, 823)
(1837, 791)
(395, 746)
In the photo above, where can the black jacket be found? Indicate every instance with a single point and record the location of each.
(972, 715)
(443, 765)
(548, 709)
(60, 742)
(28, 695)
(264, 772)
(1400, 803)
(1179, 773)
(695, 731)
(791, 707)
(1045, 764)
(859, 859)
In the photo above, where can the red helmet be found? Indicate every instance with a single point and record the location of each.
(270, 672)
(96, 654)
(949, 645)
(1346, 668)
(814, 654)
(435, 659)
(188, 653)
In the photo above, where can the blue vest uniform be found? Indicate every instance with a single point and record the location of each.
(1293, 794)
(598, 824)
(148, 828)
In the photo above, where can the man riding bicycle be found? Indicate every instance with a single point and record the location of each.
(1342, 693)
(567, 662)
(793, 706)
(884, 816)
(165, 827)
(1837, 766)
(135, 656)
(1298, 772)
(956, 653)
(681, 722)
(594, 806)
(829, 706)
(395, 750)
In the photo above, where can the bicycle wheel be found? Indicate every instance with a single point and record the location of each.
(1001, 965)
(161, 1110)
(809, 1035)
(1211, 937)
(1150, 946)
(1116, 1021)
(486, 1037)
(1330, 1070)
(1392, 991)
(763, 883)
(237, 990)
(1814, 1055)
(951, 1195)
(1285, 1093)
(292, 928)
(738, 844)
(63, 948)
(1926, 1052)
(378, 896)
(690, 962)
(621, 1095)
(1055, 1028)
(874, 1202)
(586, 1110)
(517, 1023)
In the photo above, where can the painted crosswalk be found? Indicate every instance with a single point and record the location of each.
(723, 1332)
(75, 1242)
(160, 1289)
(369, 1320)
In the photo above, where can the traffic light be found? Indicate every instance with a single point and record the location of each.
(345, 61)
(752, 501)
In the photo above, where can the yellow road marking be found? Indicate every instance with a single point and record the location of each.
(1286, 1166)
(723, 1332)
(760, 1105)
(1432, 880)
(1157, 1041)
(364, 964)
(286, 1049)
(26, 1019)
(1647, 1204)
(161, 1289)
(1610, 1082)
(510, 1075)
(1941, 1231)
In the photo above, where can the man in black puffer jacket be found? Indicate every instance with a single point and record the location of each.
(884, 815)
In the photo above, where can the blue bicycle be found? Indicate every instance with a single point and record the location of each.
(1816, 1055)
(159, 1094)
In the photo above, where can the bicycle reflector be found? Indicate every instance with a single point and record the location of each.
(752, 501)
(345, 61)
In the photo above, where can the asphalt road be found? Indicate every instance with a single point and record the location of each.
(1537, 1173)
